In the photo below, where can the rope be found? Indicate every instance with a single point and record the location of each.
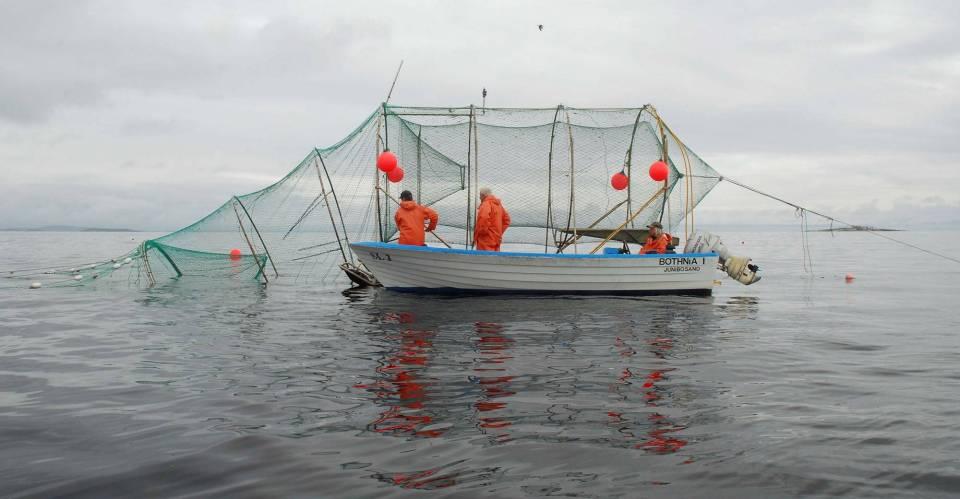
(833, 219)
(806, 256)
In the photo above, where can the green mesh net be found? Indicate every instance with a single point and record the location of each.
(550, 167)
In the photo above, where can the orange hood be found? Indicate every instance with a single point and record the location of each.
(491, 199)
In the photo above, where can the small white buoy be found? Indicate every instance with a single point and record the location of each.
(116, 265)
(73, 270)
(77, 277)
(35, 285)
(127, 260)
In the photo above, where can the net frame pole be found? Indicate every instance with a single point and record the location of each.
(326, 201)
(665, 157)
(346, 237)
(376, 177)
(146, 264)
(629, 165)
(150, 244)
(571, 218)
(549, 224)
(257, 231)
(689, 204)
(386, 182)
(476, 169)
(467, 239)
(256, 258)
(419, 159)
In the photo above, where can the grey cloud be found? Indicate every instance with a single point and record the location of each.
(861, 90)
(81, 51)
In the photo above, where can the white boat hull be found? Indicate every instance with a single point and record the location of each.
(422, 268)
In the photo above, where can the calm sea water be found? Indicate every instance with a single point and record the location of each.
(800, 385)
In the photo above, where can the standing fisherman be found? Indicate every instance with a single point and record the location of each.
(410, 218)
(492, 222)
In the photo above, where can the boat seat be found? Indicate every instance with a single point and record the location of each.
(635, 236)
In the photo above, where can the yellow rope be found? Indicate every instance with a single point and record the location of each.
(624, 224)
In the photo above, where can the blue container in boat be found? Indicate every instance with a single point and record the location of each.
(611, 251)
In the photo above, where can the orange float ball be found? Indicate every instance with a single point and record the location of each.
(619, 181)
(396, 174)
(387, 161)
(659, 171)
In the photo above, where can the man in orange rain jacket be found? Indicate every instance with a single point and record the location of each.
(657, 240)
(492, 222)
(410, 218)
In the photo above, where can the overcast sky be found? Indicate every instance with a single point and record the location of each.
(150, 114)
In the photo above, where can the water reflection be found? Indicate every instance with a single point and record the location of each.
(657, 429)
(490, 373)
(741, 307)
(401, 386)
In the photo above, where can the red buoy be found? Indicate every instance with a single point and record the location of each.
(659, 171)
(619, 181)
(395, 175)
(387, 161)
(235, 254)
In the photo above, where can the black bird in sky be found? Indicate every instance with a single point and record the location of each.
(540, 26)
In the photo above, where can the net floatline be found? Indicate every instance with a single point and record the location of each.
(78, 274)
(551, 167)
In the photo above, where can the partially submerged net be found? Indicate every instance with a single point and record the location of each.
(550, 167)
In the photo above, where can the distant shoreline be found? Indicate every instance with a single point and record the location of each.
(856, 229)
(65, 228)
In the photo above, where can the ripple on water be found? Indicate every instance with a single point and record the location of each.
(792, 387)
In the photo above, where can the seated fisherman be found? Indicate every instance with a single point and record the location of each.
(658, 241)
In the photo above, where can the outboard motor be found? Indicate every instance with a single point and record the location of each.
(737, 267)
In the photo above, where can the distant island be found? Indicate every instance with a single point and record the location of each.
(66, 228)
(856, 228)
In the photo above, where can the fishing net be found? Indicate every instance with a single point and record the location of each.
(550, 167)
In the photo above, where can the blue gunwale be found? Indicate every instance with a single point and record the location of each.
(456, 251)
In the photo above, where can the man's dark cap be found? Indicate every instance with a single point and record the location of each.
(406, 196)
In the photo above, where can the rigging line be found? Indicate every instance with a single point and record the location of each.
(314, 255)
(394, 81)
(313, 204)
(317, 245)
(805, 258)
(832, 219)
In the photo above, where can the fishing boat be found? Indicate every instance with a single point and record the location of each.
(431, 269)
(574, 163)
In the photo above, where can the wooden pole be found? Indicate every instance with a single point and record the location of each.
(624, 224)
